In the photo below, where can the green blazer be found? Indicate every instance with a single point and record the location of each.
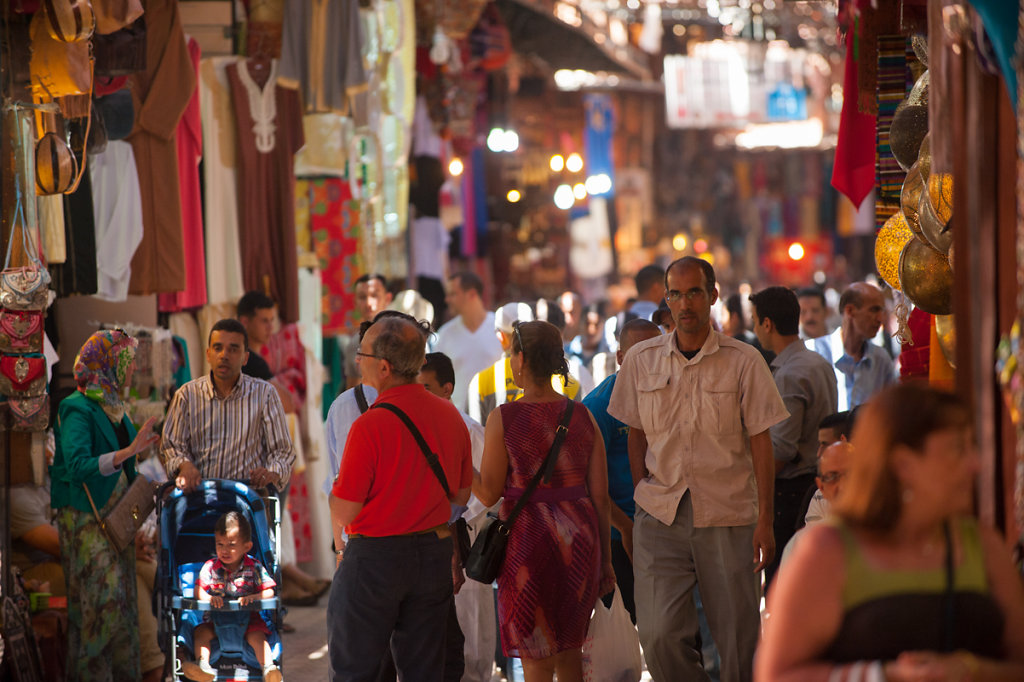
(83, 432)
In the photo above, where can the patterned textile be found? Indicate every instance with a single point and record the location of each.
(102, 367)
(101, 598)
(549, 582)
(339, 243)
(286, 358)
(298, 508)
(893, 76)
(250, 578)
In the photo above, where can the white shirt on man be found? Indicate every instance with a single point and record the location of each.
(469, 351)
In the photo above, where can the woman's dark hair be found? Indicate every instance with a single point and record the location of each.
(541, 345)
(902, 415)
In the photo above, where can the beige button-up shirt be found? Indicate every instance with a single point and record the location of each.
(698, 416)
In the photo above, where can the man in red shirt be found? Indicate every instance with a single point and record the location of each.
(395, 583)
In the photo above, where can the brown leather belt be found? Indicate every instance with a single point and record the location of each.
(442, 531)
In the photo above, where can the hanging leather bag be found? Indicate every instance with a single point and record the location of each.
(69, 21)
(24, 287)
(22, 376)
(21, 331)
(30, 414)
(57, 69)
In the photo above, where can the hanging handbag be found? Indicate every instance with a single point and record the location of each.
(21, 331)
(488, 552)
(24, 287)
(128, 514)
(69, 21)
(30, 414)
(56, 68)
(22, 376)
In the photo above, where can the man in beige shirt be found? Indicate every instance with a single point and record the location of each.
(699, 405)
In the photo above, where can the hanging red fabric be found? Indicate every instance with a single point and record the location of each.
(853, 172)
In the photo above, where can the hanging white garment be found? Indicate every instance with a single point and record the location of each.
(117, 211)
(220, 180)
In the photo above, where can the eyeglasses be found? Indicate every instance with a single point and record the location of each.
(690, 295)
(367, 355)
(831, 477)
(519, 337)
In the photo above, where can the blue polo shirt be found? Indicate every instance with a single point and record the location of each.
(615, 435)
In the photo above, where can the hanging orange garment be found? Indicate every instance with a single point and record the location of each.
(160, 95)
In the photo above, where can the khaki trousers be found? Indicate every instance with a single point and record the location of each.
(668, 562)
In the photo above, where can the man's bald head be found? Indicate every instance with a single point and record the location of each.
(633, 332)
(833, 465)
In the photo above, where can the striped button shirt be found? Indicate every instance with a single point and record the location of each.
(228, 437)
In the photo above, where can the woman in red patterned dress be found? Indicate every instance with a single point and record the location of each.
(558, 560)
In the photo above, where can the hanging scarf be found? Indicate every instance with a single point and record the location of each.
(101, 369)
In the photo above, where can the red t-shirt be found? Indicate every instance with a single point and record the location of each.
(384, 468)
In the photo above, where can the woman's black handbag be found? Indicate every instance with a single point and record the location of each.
(488, 552)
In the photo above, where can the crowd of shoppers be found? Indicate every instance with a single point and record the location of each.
(712, 446)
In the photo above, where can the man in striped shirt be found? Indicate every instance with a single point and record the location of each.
(226, 424)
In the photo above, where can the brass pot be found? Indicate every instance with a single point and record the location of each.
(926, 278)
(945, 331)
(936, 231)
(910, 197)
(919, 93)
(909, 126)
(889, 244)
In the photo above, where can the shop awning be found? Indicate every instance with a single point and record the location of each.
(535, 30)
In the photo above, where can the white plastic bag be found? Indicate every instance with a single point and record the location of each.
(611, 652)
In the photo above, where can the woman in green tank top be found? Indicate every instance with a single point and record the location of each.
(902, 583)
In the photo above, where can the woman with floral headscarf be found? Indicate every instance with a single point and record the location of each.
(95, 444)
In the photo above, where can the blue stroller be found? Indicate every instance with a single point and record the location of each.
(186, 543)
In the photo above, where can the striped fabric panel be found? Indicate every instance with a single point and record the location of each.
(56, 166)
(69, 20)
(894, 81)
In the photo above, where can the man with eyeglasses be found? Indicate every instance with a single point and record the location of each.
(699, 405)
(833, 465)
(393, 587)
(808, 388)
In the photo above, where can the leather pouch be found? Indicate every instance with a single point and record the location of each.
(21, 331)
(30, 414)
(24, 287)
(22, 376)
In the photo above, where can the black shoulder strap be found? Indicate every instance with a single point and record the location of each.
(361, 399)
(432, 459)
(547, 468)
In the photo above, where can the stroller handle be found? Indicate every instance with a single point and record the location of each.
(230, 605)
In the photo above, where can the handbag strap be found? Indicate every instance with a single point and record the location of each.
(27, 243)
(547, 468)
(949, 623)
(96, 513)
(361, 399)
(432, 459)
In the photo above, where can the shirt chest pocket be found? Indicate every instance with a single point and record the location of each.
(655, 401)
(721, 411)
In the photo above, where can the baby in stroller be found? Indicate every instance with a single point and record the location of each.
(232, 573)
(192, 526)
